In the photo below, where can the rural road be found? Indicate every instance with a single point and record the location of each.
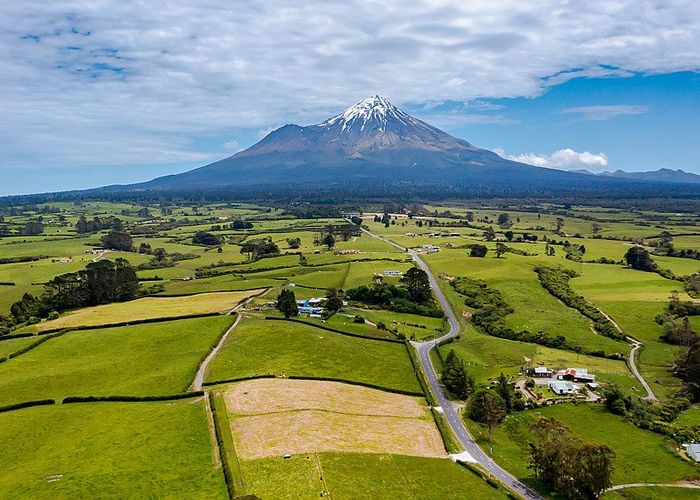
(199, 377)
(450, 409)
(636, 344)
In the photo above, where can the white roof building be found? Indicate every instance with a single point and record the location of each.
(563, 388)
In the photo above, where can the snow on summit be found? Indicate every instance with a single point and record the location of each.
(374, 110)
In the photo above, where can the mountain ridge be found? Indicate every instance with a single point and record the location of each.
(371, 143)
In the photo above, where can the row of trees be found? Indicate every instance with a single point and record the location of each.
(556, 282)
(490, 311)
(96, 224)
(455, 378)
(100, 282)
(258, 248)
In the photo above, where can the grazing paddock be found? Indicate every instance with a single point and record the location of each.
(139, 360)
(149, 308)
(259, 347)
(642, 456)
(347, 476)
(275, 417)
(115, 450)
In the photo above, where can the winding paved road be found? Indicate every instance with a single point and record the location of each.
(450, 409)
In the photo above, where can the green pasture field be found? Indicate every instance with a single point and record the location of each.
(535, 309)
(679, 266)
(346, 324)
(642, 456)
(633, 299)
(691, 416)
(402, 322)
(332, 276)
(354, 475)
(361, 273)
(119, 450)
(11, 294)
(10, 346)
(267, 347)
(653, 493)
(140, 360)
(223, 283)
(148, 308)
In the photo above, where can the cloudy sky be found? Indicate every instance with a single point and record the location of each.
(104, 91)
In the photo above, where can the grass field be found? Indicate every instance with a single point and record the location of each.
(109, 450)
(149, 359)
(534, 308)
(653, 493)
(642, 456)
(328, 416)
(262, 347)
(149, 308)
(633, 298)
(350, 476)
(10, 346)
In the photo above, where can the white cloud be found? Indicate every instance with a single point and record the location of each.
(109, 82)
(233, 145)
(607, 112)
(563, 159)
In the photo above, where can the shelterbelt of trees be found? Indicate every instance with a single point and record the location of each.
(100, 282)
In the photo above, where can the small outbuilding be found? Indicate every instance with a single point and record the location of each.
(693, 451)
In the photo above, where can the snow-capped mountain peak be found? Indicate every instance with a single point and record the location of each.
(374, 112)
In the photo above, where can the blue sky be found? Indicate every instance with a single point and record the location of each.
(105, 92)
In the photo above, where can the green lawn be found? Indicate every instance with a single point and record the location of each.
(642, 456)
(350, 476)
(109, 450)
(149, 359)
(262, 347)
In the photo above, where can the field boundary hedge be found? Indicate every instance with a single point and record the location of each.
(419, 374)
(321, 379)
(334, 330)
(232, 472)
(448, 438)
(189, 294)
(39, 341)
(27, 404)
(131, 399)
(130, 323)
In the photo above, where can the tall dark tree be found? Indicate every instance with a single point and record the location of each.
(329, 240)
(504, 388)
(333, 300)
(287, 303)
(500, 249)
(205, 238)
(638, 258)
(478, 250)
(455, 378)
(488, 408)
(118, 240)
(417, 283)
